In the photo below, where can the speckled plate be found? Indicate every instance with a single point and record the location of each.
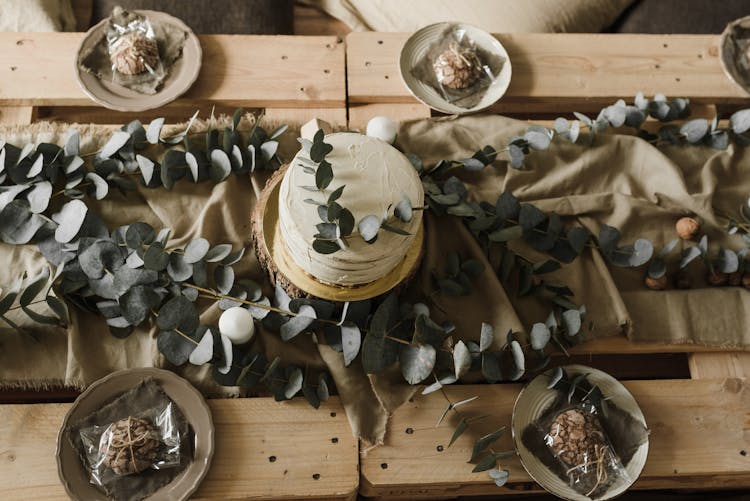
(418, 46)
(734, 40)
(532, 402)
(71, 470)
(182, 74)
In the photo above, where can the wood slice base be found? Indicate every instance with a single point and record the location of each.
(283, 271)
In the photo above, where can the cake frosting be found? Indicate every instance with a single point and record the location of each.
(377, 176)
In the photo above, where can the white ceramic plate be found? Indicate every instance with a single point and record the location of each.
(418, 45)
(182, 74)
(71, 470)
(535, 398)
(728, 53)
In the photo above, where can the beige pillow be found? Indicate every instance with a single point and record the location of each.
(36, 15)
(498, 16)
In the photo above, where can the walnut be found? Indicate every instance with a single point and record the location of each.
(656, 284)
(457, 67)
(134, 53)
(131, 446)
(687, 228)
(576, 436)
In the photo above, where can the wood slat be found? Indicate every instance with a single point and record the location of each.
(719, 365)
(247, 70)
(699, 430)
(305, 442)
(551, 72)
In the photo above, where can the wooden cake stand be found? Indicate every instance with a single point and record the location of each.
(283, 271)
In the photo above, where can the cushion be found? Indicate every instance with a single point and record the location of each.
(36, 15)
(508, 16)
(269, 17)
(680, 16)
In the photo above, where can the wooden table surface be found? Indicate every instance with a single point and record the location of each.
(698, 405)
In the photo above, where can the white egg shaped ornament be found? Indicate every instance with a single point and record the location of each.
(382, 128)
(237, 324)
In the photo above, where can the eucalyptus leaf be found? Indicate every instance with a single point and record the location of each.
(39, 197)
(417, 362)
(218, 252)
(204, 350)
(114, 144)
(572, 320)
(368, 228)
(518, 359)
(101, 188)
(220, 167)
(154, 130)
(540, 335)
(351, 341)
(461, 359)
(137, 303)
(147, 168)
(69, 220)
(487, 337)
(196, 250)
(298, 324)
(224, 277)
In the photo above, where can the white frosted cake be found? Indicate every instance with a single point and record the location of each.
(376, 177)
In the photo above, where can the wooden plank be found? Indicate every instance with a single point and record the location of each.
(719, 365)
(334, 116)
(560, 70)
(242, 70)
(11, 115)
(699, 430)
(620, 344)
(314, 453)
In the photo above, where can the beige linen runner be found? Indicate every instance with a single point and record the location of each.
(619, 180)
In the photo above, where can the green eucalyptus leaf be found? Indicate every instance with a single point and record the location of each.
(204, 350)
(500, 477)
(218, 253)
(461, 359)
(154, 130)
(196, 250)
(368, 228)
(39, 197)
(69, 220)
(137, 303)
(518, 359)
(299, 323)
(224, 278)
(540, 335)
(486, 337)
(114, 144)
(220, 167)
(484, 442)
(417, 362)
(178, 313)
(351, 341)
(506, 234)
(294, 383)
(572, 320)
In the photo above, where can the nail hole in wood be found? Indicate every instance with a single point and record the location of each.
(328, 46)
(302, 89)
(272, 459)
(657, 66)
(380, 42)
(666, 45)
(409, 431)
(676, 79)
(13, 68)
(316, 476)
(368, 63)
(386, 77)
(440, 448)
(384, 466)
(333, 414)
(335, 440)
(743, 452)
(326, 71)
(284, 57)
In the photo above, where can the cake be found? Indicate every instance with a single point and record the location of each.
(376, 178)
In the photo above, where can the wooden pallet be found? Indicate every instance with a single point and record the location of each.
(700, 423)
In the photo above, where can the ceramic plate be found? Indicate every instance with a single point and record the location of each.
(535, 398)
(182, 74)
(736, 35)
(71, 470)
(418, 45)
